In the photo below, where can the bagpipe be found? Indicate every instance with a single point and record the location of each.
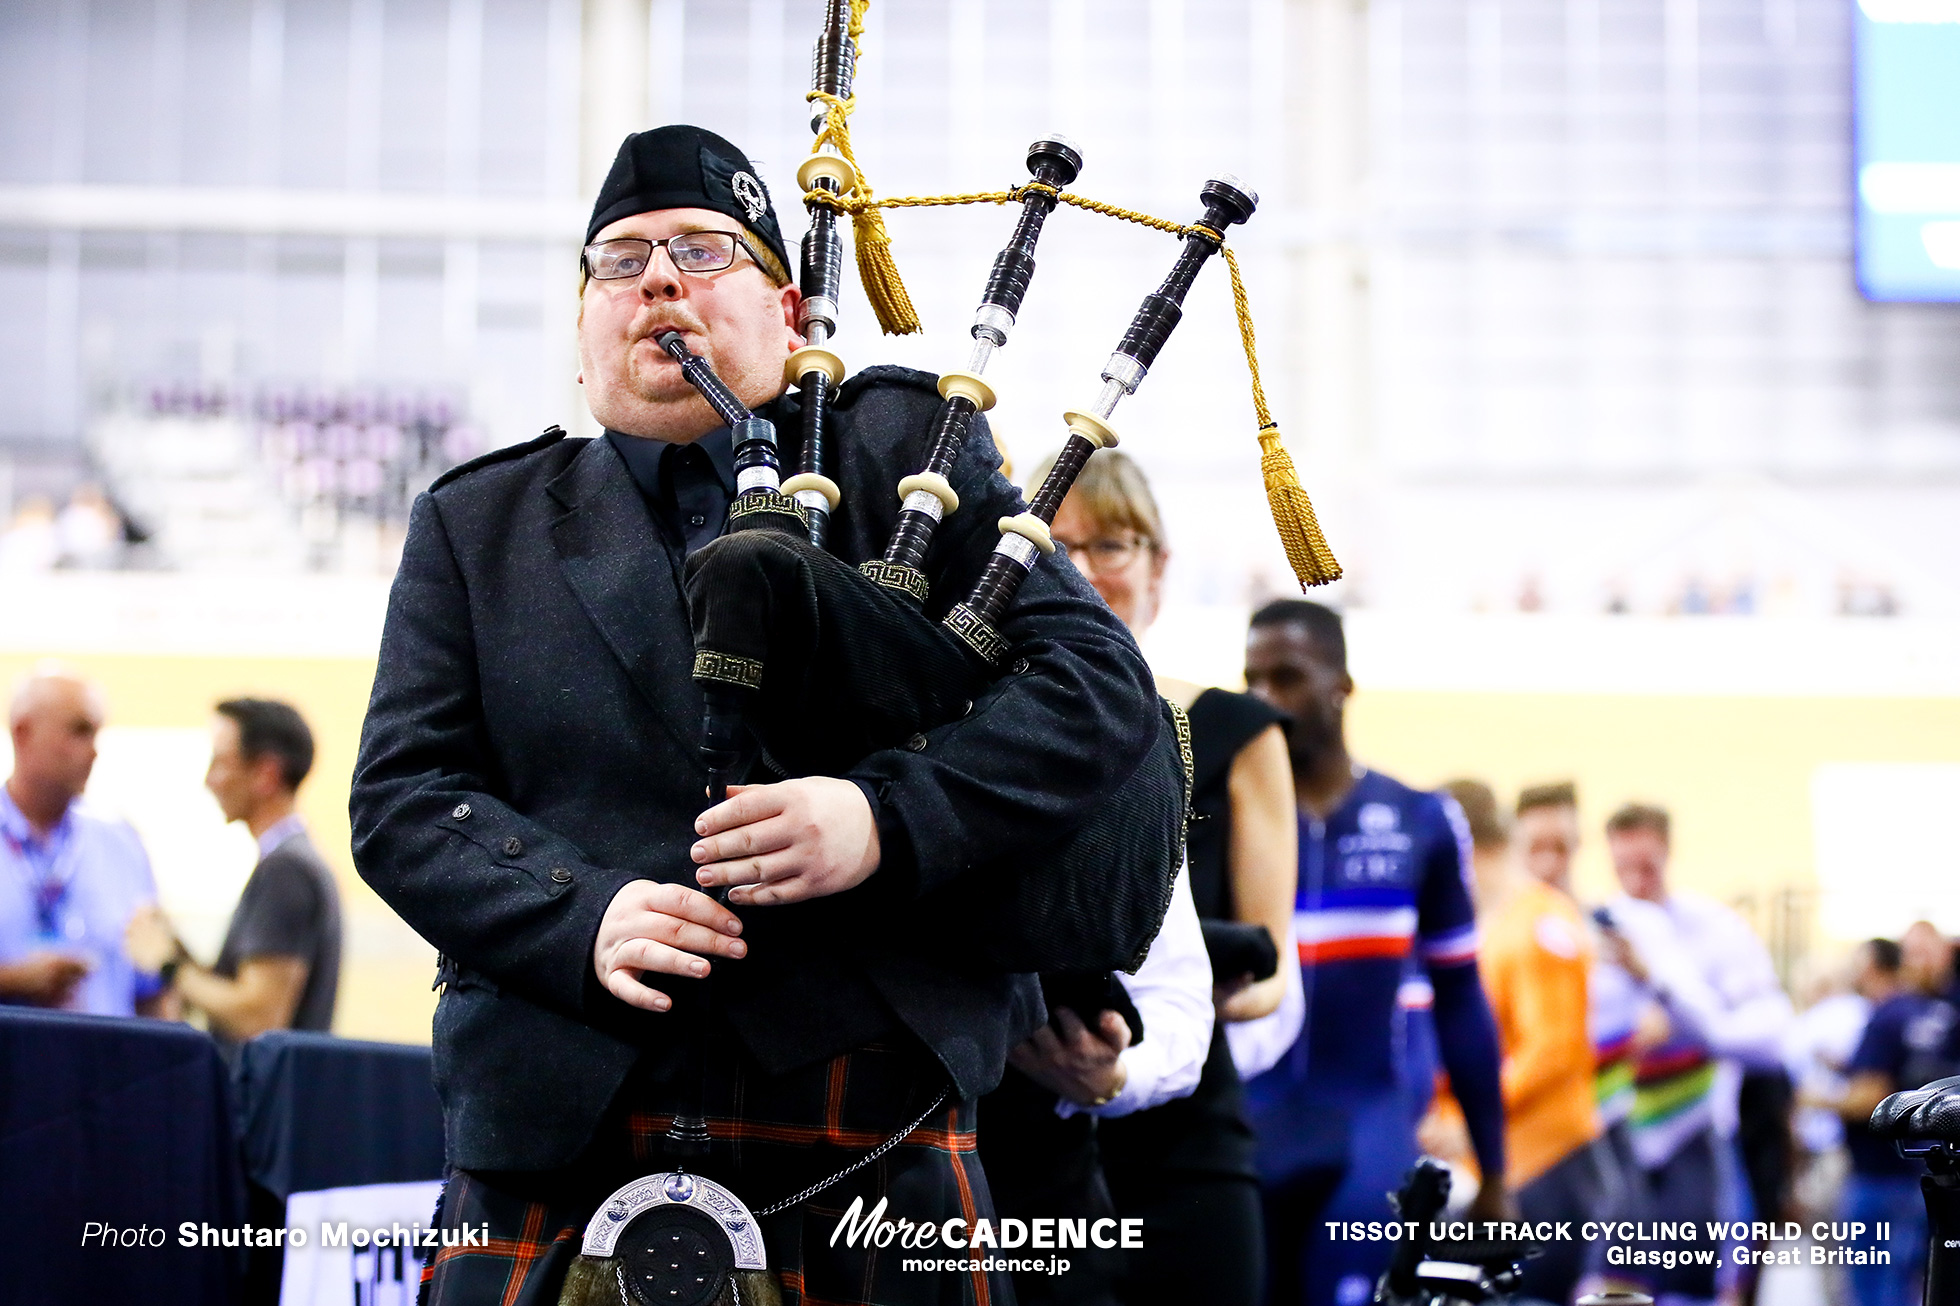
(820, 663)
(807, 663)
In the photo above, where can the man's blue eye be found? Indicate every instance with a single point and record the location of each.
(629, 266)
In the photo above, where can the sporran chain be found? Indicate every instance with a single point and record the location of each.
(859, 1164)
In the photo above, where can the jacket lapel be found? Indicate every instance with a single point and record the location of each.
(611, 555)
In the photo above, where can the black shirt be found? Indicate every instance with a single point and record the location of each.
(686, 486)
(290, 908)
(1911, 1039)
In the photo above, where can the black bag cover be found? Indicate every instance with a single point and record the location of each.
(848, 667)
(1237, 950)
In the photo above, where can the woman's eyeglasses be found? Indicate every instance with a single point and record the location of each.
(1105, 553)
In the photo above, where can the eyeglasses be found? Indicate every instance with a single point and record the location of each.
(692, 251)
(1105, 554)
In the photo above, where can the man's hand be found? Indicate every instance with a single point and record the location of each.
(43, 979)
(1081, 1065)
(787, 842)
(1651, 1028)
(149, 941)
(665, 928)
(1620, 951)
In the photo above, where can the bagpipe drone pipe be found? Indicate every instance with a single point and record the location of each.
(808, 664)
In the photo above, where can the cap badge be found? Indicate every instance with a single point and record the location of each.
(748, 193)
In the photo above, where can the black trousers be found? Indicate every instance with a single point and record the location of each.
(1204, 1240)
(1040, 1166)
(1585, 1184)
(1292, 1208)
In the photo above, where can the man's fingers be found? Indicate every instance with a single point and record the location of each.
(688, 904)
(1070, 1026)
(625, 986)
(777, 893)
(768, 835)
(686, 936)
(651, 954)
(1115, 1030)
(1044, 1042)
(768, 868)
(753, 803)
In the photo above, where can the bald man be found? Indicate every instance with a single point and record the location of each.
(69, 879)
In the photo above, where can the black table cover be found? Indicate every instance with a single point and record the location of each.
(118, 1125)
(317, 1111)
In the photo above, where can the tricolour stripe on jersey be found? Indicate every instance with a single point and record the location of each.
(1451, 949)
(1354, 933)
(1359, 949)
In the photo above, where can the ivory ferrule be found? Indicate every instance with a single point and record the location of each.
(1030, 528)
(1091, 428)
(811, 483)
(931, 483)
(830, 167)
(813, 358)
(967, 386)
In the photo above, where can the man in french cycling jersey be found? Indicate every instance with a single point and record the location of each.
(1383, 880)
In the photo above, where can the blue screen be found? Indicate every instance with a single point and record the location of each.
(1908, 149)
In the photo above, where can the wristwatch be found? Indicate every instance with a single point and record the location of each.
(168, 971)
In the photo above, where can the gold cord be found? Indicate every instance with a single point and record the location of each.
(1299, 530)
(1307, 553)
(876, 270)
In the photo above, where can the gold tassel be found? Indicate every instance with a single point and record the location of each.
(1307, 553)
(1299, 530)
(879, 274)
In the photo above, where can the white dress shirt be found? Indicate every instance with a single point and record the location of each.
(1258, 1044)
(1172, 993)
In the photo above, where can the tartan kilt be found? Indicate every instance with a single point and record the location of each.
(773, 1135)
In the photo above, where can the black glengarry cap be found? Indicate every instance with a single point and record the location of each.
(682, 167)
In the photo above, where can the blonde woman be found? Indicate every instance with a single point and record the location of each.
(1187, 1167)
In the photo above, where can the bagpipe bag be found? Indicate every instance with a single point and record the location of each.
(849, 667)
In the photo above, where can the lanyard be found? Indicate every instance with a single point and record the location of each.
(50, 876)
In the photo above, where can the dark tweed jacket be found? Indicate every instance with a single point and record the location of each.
(530, 747)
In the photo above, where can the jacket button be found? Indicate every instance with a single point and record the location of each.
(559, 875)
(1020, 667)
(461, 812)
(513, 847)
(917, 743)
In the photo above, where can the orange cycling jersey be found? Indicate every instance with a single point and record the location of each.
(1534, 958)
(1534, 954)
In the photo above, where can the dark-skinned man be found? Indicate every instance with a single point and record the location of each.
(529, 795)
(279, 965)
(1384, 890)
